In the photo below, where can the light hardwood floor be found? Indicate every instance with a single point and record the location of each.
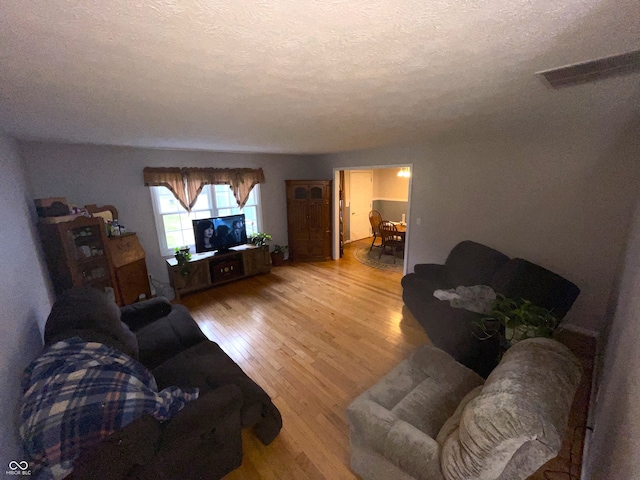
(314, 336)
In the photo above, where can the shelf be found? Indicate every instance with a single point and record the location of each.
(92, 260)
(77, 254)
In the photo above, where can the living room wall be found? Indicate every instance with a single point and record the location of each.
(562, 199)
(86, 174)
(615, 443)
(24, 296)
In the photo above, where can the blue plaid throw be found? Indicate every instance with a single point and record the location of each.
(79, 392)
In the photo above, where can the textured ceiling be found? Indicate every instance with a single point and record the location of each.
(303, 76)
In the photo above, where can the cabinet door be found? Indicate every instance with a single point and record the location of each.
(319, 221)
(133, 281)
(309, 219)
(76, 254)
(298, 219)
(256, 260)
(197, 279)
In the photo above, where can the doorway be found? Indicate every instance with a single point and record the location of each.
(391, 193)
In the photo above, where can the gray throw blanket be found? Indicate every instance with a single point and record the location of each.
(477, 298)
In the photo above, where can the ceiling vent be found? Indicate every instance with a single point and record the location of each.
(593, 70)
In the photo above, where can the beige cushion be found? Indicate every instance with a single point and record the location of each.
(392, 426)
(519, 416)
(453, 422)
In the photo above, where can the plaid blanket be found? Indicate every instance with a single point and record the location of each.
(77, 393)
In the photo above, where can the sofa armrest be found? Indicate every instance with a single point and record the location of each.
(373, 426)
(201, 416)
(432, 271)
(417, 452)
(369, 423)
(116, 456)
(204, 439)
(137, 315)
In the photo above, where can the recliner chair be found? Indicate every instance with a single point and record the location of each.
(431, 418)
(203, 440)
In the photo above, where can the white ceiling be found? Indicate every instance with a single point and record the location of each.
(303, 76)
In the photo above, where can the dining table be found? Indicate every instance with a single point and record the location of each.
(402, 229)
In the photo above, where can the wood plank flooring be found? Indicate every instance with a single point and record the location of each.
(314, 336)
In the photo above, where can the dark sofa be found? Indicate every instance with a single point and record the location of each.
(203, 440)
(470, 263)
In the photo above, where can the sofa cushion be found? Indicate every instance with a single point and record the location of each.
(207, 367)
(471, 263)
(519, 278)
(451, 329)
(139, 314)
(168, 336)
(427, 406)
(519, 417)
(453, 422)
(92, 311)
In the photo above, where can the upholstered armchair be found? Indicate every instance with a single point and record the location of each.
(432, 418)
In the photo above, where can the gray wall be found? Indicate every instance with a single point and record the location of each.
(87, 174)
(615, 443)
(563, 200)
(391, 209)
(24, 296)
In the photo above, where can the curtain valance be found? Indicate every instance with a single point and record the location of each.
(172, 178)
(187, 183)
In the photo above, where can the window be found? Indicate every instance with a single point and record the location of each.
(173, 223)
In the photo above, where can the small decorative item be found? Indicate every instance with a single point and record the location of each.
(515, 320)
(183, 255)
(277, 255)
(259, 239)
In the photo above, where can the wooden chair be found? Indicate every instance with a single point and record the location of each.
(390, 239)
(375, 219)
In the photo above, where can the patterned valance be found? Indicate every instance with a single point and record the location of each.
(187, 183)
(172, 178)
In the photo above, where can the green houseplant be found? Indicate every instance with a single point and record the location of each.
(514, 320)
(277, 254)
(259, 239)
(183, 255)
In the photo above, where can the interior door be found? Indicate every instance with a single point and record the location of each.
(361, 199)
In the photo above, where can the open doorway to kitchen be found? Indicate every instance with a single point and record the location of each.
(357, 191)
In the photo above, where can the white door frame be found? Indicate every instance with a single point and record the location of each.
(335, 214)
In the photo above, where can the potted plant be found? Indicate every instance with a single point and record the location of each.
(183, 255)
(514, 320)
(277, 255)
(259, 239)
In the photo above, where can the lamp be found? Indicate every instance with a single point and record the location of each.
(404, 172)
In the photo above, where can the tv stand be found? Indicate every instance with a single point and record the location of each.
(215, 268)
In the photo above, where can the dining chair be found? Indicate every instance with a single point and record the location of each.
(375, 218)
(391, 238)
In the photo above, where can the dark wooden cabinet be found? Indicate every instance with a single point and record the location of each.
(77, 254)
(309, 219)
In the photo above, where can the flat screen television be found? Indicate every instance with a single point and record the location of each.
(219, 233)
